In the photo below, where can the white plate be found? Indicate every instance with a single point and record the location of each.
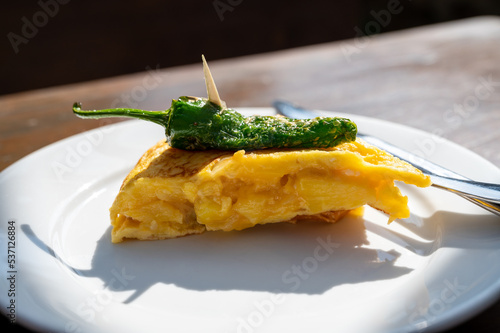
(433, 270)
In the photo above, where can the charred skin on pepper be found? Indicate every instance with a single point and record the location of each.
(198, 124)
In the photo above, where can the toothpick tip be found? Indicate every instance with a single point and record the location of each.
(213, 95)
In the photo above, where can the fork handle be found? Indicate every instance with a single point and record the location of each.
(489, 206)
(468, 188)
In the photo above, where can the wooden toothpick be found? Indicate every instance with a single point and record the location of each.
(212, 93)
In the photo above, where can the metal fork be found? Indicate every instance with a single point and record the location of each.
(485, 195)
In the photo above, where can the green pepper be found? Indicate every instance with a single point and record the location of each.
(194, 123)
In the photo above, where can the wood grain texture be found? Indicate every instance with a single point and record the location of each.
(433, 78)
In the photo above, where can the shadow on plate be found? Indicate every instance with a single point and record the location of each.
(443, 229)
(307, 258)
(302, 258)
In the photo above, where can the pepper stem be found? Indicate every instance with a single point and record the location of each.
(158, 117)
(212, 93)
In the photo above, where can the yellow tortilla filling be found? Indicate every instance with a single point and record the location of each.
(172, 192)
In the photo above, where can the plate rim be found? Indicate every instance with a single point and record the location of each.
(486, 300)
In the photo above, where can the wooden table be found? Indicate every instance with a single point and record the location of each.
(444, 79)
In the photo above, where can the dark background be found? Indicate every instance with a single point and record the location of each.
(66, 41)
